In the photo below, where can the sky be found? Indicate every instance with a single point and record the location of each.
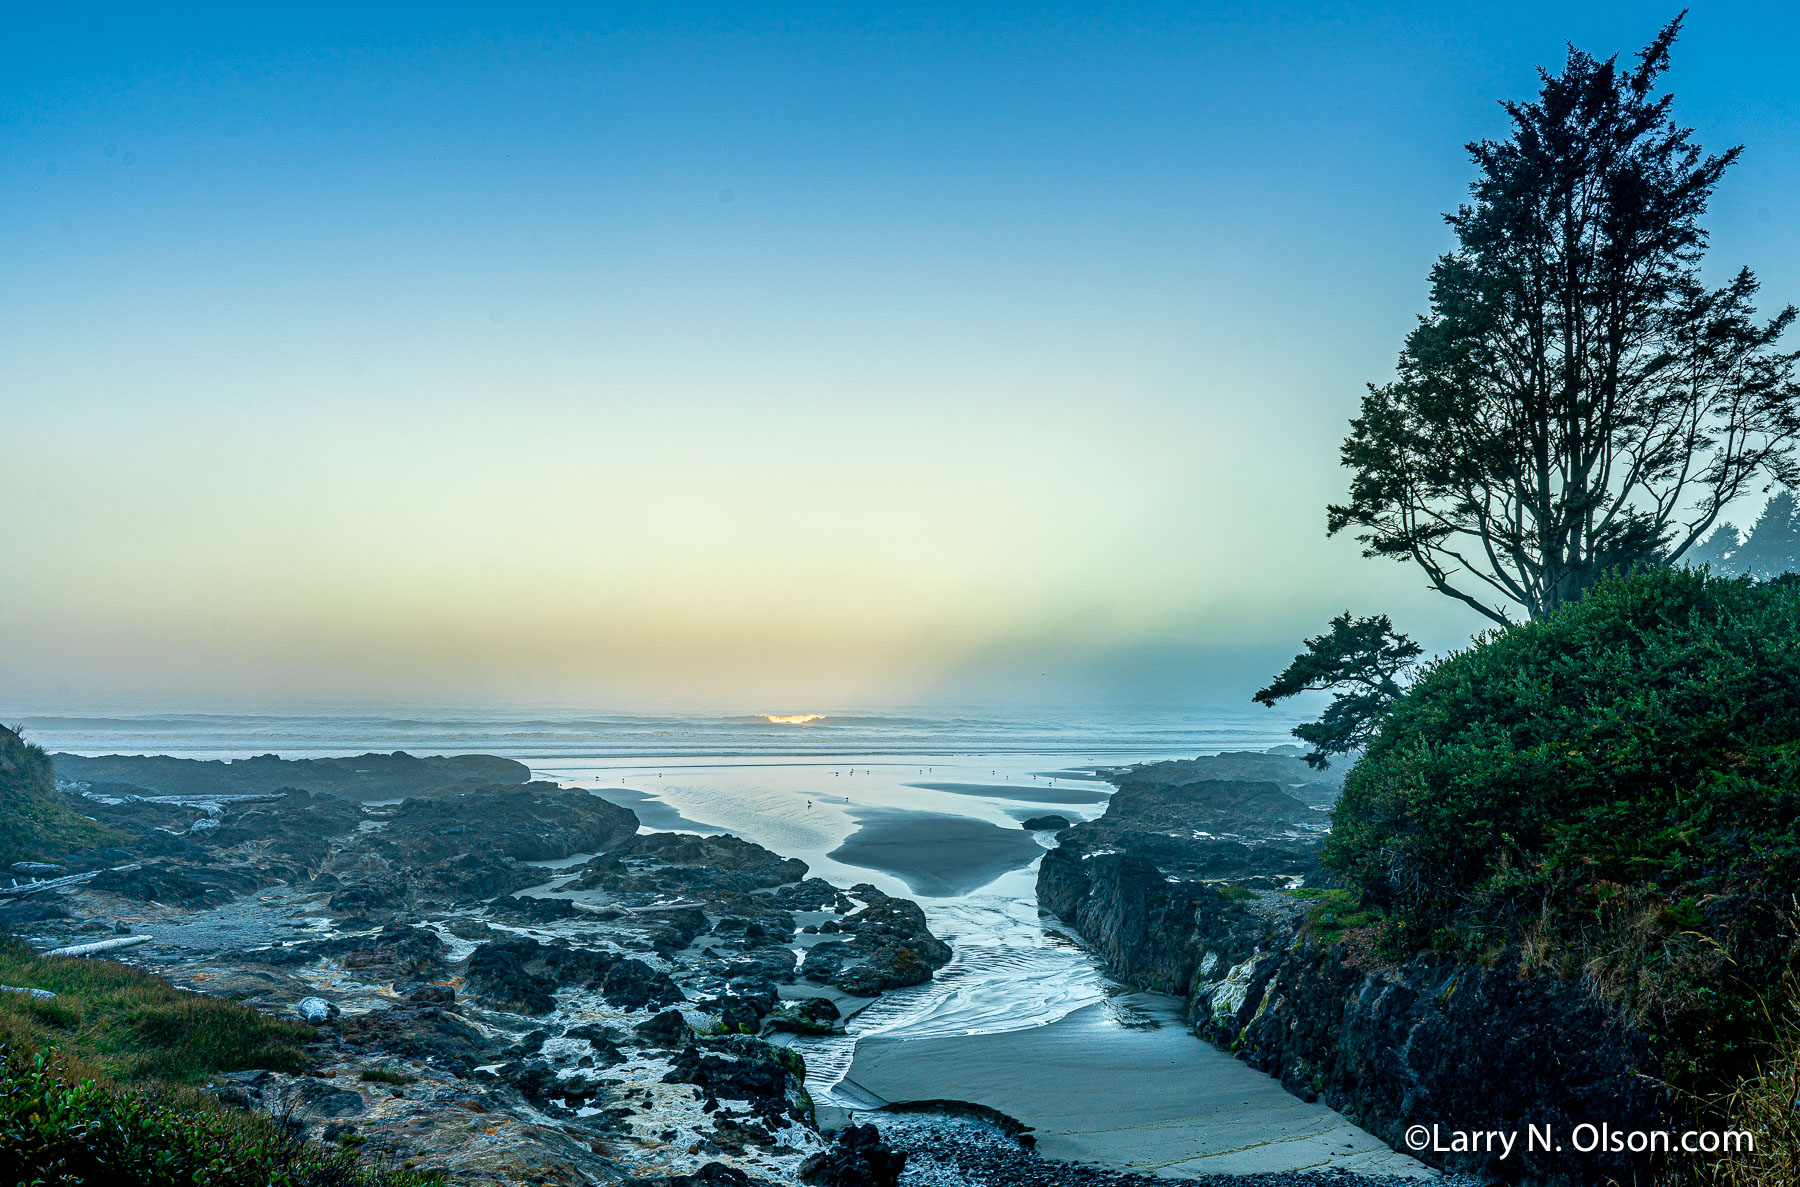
(756, 358)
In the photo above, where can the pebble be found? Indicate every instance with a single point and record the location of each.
(948, 1150)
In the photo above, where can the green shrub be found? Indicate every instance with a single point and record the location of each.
(1613, 791)
(59, 1129)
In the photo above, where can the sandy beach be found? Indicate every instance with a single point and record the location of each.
(1122, 1083)
(1030, 793)
(935, 853)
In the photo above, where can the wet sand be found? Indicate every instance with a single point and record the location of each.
(1146, 1096)
(652, 812)
(935, 853)
(1030, 793)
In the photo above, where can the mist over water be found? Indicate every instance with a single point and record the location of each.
(526, 734)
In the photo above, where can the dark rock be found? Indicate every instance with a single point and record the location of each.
(396, 953)
(810, 1015)
(533, 910)
(535, 822)
(775, 963)
(372, 897)
(858, 1158)
(522, 974)
(737, 1067)
(319, 1098)
(684, 925)
(177, 884)
(667, 1029)
(1050, 823)
(1437, 1040)
(530, 1045)
(470, 878)
(297, 829)
(427, 1033)
(811, 894)
(538, 1082)
(535, 1080)
(38, 908)
(604, 1040)
(1151, 931)
(889, 947)
(683, 863)
(713, 1174)
(633, 985)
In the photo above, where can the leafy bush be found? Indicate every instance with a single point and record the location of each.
(1614, 791)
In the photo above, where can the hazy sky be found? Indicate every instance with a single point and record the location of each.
(749, 358)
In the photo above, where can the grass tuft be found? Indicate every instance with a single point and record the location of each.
(134, 1026)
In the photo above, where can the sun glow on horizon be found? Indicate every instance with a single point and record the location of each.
(792, 718)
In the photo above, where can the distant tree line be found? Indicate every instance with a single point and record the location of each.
(1769, 549)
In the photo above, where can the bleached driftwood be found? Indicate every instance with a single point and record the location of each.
(18, 891)
(98, 946)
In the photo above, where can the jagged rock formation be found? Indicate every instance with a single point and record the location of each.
(1184, 885)
(1446, 1043)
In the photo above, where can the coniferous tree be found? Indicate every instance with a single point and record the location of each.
(1577, 400)
(1365, 659)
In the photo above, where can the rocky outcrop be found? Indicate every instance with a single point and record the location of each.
(886, 946)
(536, 822)
(604, 1026)
(858, 1158)
(1150, 931)
(1196, 828)
(523, 975)
(1171, 902)
(1440, 1042)
(361, 777)
(685, 862)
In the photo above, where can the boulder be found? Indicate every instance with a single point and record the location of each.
(667, 1029)
(807, 1015)
(633, 985)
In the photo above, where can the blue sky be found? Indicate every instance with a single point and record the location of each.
(739, 356)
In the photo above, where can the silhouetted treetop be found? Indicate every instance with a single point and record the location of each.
(1577, 401)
